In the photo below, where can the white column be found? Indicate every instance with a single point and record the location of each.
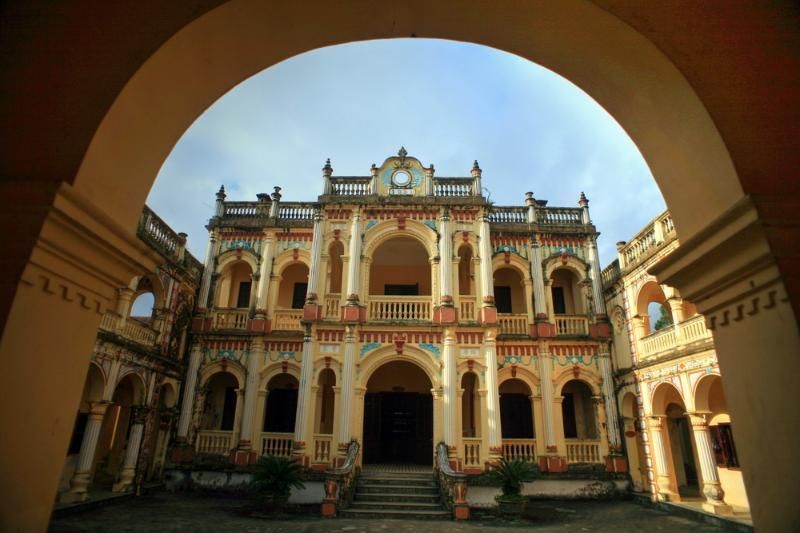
(597, 281)
(79, 484)
(449, 377)
(301, 437)
(208, 269)
(487, 280)
(494, 433)
(545, 373)
(255, 361)
(445, 260)
(316, 254)
(264, 273)
(348, 376)
(712, 489)
(539, 299)
(355, 258)
(656, 424)
(187, 407)
(132, 451)
(612, 416)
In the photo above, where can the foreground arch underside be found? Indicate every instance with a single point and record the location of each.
(121, 130)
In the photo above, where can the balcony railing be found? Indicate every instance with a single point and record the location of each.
(214, 442)
(568, 325)
(657, 232)
(322, 447)
(559, 216)
(513, 324)
(287, 320)
(138, 332)
(583, 451)
(351, 186)
(400, 308)
(673, 337)
(467, 306)
(472, 453)
(230, 318)
(332, 302)
(278, 444)
(450, 187)
(524, 449)
(132, 330)
(509, 215)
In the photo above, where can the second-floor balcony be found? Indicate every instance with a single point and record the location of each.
(132, 329)
(399, 308)
(513, 323)
(673, 337)
(230, 318)
(287, 320)
(571, 325)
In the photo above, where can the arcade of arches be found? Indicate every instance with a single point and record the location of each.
(648, 64)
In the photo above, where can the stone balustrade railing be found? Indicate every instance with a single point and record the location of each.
(322, 448)
(214, 442)
(660, 230)
(524, 449)
(467, 308)
(138, 332)
(452, 484)
(583, 451)
(340, 482)
(513, 324)
(399, 308)
(472, 453)
(230, 318)
(509, 215)
(245, 209)
(278, 444)
(611, 273)
(454, 187)
(559, 216)
(351, 186)
(570, 325)
(296, 212)
(331, 309)
(287, 320)
(673, 337)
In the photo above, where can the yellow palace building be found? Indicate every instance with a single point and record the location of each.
(401, 309)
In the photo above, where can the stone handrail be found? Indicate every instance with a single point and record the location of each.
(245, 209)
(657, 232)
(559, 216)
(351, 186)
(513, 324)
(673, 336)
(452, 484)
(340, 482)
(583, 451)
(287, 320)
(214, 442)
(399, 308)
(331, 310)
(138, 332)
(509, 215)
(472, 452)
(467, 308)
(611, 273)
(230, 318)
(154, 231)
(567, 325)
(277, 444)
(524, 449)
(452, 187)
(295, 211)
(322, 447)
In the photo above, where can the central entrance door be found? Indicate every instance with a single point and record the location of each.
(398, 416)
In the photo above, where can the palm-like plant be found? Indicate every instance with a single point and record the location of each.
(511, 475)
(275, 477)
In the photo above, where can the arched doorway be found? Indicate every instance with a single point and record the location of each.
(281, 409)
(637, 462)
(680, 466)
(129, 393)
(400, 267)
(516, 413)
(398, 415)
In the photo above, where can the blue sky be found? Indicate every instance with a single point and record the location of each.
(448, 103)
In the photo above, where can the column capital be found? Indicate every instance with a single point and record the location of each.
(656, 421)
(98, 409)
(699, 419)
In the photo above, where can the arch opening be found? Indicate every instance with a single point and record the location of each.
(466, 271)
(400, 267)
(234, 286)
(398, 415)
(221, 395)
(578, 411)
(516, 412)
(294, 286)
(281, 407)
(326, 398)
(509, 291)
(335, 267)
(470, 406)
(566, 293)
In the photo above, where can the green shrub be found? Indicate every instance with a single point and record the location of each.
(511, 475)
(275, 477)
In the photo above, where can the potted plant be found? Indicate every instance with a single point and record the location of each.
(511, 475)
(275, 477)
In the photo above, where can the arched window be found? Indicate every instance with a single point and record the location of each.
(294, 286)
(400, 267)
(470, 406)
(335, 253)
(465, 271)
(325, 401)
(235, 285)
(219, 409)
(281, 404)
(509, 291)
(578, 411)
(516, 415)
(566, 293)
(143, 305)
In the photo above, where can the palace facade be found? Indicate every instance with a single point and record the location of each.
(126, 415)
(401, 309)
(677, 428)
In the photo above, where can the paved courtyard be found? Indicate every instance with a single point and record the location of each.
(186, 512)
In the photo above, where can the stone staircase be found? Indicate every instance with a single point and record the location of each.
(405, 495)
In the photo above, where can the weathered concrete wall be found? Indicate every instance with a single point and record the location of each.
(233, 482)
(562, 489)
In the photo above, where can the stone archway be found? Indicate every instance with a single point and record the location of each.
(398, 415)
(654, 64)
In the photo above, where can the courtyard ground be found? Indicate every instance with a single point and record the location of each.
(190, 512)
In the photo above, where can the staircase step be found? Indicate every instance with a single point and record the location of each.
(397, 489)
(405, 481)
(395, 506)
(394, 497)
(396, 514)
